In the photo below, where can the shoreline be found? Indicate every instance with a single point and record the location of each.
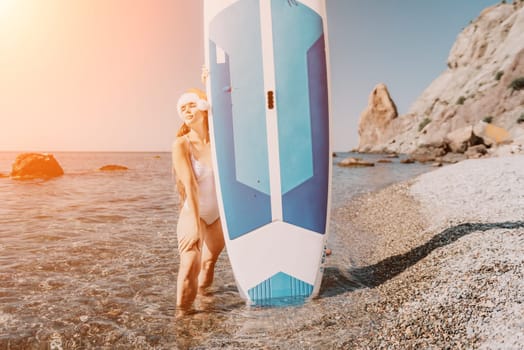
(410, 268)
(440, 257)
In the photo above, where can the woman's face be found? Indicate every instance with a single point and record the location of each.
(191, 114)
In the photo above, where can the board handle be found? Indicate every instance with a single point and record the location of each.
(270, 99)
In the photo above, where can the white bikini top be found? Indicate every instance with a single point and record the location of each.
(200, 169)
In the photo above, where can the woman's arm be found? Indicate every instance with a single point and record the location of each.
(190, 212)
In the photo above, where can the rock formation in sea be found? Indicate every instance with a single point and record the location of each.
(35, 166)
(375, 121)
(113, 167)
(354, 162)
(477, 100)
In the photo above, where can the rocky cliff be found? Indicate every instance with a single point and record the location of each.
(478, 100)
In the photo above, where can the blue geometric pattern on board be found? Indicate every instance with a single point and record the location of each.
(236, 30)
(240, 130)
(304, 201)
(295, 29)
(280, 286)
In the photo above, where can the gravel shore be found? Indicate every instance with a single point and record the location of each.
(444, 259)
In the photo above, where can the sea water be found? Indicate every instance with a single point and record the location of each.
(89, 259)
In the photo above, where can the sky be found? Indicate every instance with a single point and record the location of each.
(105, 75)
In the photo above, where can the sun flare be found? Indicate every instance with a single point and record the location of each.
(5, 6)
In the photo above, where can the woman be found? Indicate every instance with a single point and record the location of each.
(200, 238)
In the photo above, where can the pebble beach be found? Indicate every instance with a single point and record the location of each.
(445, 268)
(436, 262)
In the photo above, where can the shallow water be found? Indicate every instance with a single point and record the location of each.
(89, 260)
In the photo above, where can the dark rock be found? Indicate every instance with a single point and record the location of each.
(407, 161)
(453, 157)
(113, 167)
(354, 162)
(35, 166)
(429, 153)
(384, 161)
(476, 151)
(459, 140)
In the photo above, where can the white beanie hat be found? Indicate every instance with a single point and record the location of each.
(188, 97)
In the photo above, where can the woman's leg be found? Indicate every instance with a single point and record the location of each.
(190, 261)
(212, 247)
(187, 281)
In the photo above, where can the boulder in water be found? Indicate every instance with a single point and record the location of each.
(113, 167)
(354, 162)
(35, 166)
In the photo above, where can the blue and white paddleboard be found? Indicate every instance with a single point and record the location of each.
(268, 89)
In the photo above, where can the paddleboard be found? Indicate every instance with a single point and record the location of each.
(270, 135)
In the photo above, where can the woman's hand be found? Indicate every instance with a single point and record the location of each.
(204, 74)
(191, 240)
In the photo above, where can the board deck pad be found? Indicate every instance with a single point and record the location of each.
(269, 121)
